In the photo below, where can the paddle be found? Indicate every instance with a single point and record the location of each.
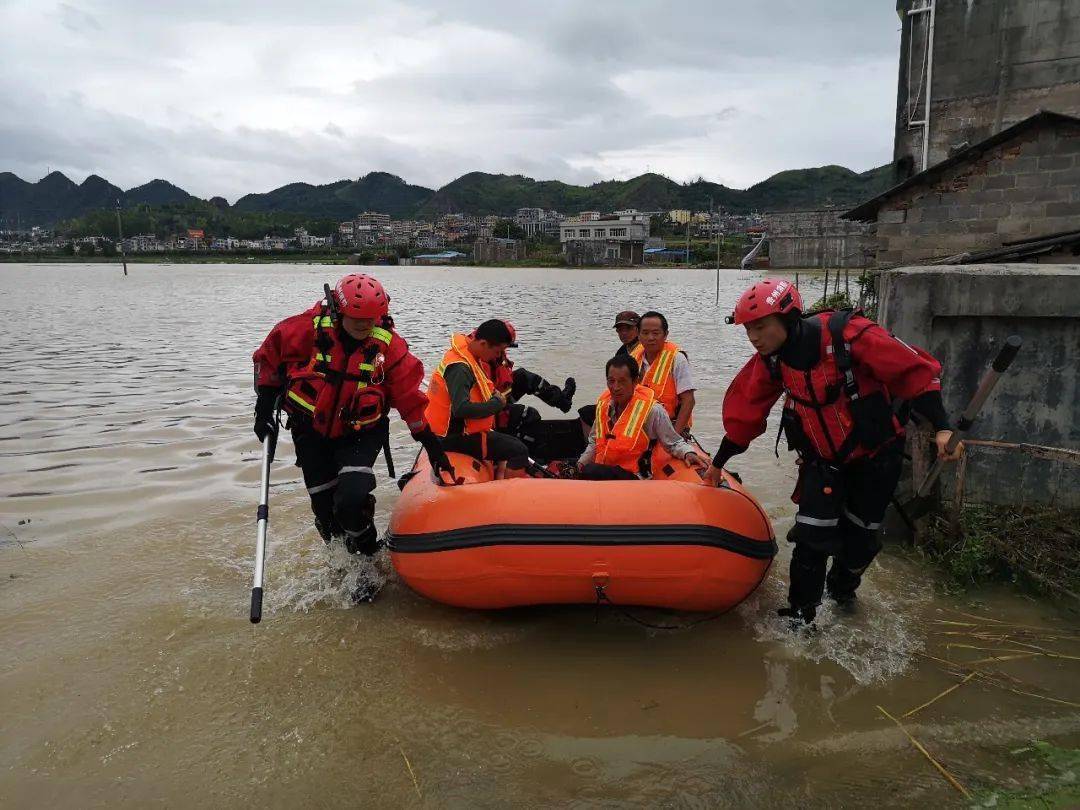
(921, 503)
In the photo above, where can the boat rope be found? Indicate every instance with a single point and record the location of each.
(602, 597)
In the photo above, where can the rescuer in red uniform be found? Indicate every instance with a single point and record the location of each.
(842, 376)
(338, 370)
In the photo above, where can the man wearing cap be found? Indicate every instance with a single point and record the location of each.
(627, 325)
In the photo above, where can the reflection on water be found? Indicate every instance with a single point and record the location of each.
(130, 674)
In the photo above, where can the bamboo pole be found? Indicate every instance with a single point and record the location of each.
(941, 768)
(934, 700)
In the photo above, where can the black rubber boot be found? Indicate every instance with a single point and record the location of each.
(799, 617)
(364, 542)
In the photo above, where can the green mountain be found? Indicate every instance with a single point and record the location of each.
(55, 197)
(52, 198)
(807, 188)
(344, 199)
(157, 192)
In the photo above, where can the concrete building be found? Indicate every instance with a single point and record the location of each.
(492, 250)
(589, 216)
(374, 220)
(538, 222)
(971, 69)
(614, 240)
(680, 216)
(962, 315)
(1022, 184)
(818, 239)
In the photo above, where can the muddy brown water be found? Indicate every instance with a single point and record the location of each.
(130, 676)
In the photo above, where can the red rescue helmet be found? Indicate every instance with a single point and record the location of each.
(361, 296)
(513, 333)
(770, 296)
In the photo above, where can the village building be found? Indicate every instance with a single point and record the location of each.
(817, 239)
(1018, 187)
(970, 70)
(492, 250)
(615, 240)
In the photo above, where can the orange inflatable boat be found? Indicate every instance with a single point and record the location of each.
(669, 542)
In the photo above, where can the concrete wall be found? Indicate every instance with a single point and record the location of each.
(583, 252)
(818, 238)
(996, 62)
(961, 314)
(1024, 188)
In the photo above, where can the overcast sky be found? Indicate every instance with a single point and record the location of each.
(226, 97)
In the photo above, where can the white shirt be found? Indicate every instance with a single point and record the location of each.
(684, 377)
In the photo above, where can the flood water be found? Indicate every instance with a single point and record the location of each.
(130, 675)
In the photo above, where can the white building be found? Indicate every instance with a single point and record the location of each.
(534, 221)
(374, 220)
(610, 240)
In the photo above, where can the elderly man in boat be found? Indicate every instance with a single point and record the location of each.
(629, 417)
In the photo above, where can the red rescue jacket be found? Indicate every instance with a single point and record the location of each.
(340, 392)
(832, 417)
(501, 373)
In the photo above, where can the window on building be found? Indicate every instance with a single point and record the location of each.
(600, 233)
(584, 233)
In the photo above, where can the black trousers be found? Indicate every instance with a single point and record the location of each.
(339, 477)
(840, 513)
(605, 472)
(489, 446)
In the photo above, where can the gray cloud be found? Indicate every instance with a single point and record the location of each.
(245, 96)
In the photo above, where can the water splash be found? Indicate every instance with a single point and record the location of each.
(877, 644)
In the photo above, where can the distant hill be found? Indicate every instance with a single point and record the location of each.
(158, 192)
(480, 193)
(52, 198)
(378, 191)
(55, 197)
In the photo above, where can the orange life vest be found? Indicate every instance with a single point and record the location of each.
(661, 377)
(623, 444)
(340, 392)
(438, 409)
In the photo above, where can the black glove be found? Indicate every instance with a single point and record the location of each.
(265, 418)
(727, 450)
(440, 462)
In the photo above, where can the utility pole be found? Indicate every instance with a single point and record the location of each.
(688, 239)
(120, 237)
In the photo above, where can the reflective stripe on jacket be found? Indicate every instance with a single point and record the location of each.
(661, 378)
(340, 392)
(624, 443)
(883, 367)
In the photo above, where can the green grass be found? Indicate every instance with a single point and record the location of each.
(1036, 547)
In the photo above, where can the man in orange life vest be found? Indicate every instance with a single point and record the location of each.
(627, 325)
(338, 379)
(666, 370)
(463, 401)
(515, 383)
(841, 374)
(628, 419)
